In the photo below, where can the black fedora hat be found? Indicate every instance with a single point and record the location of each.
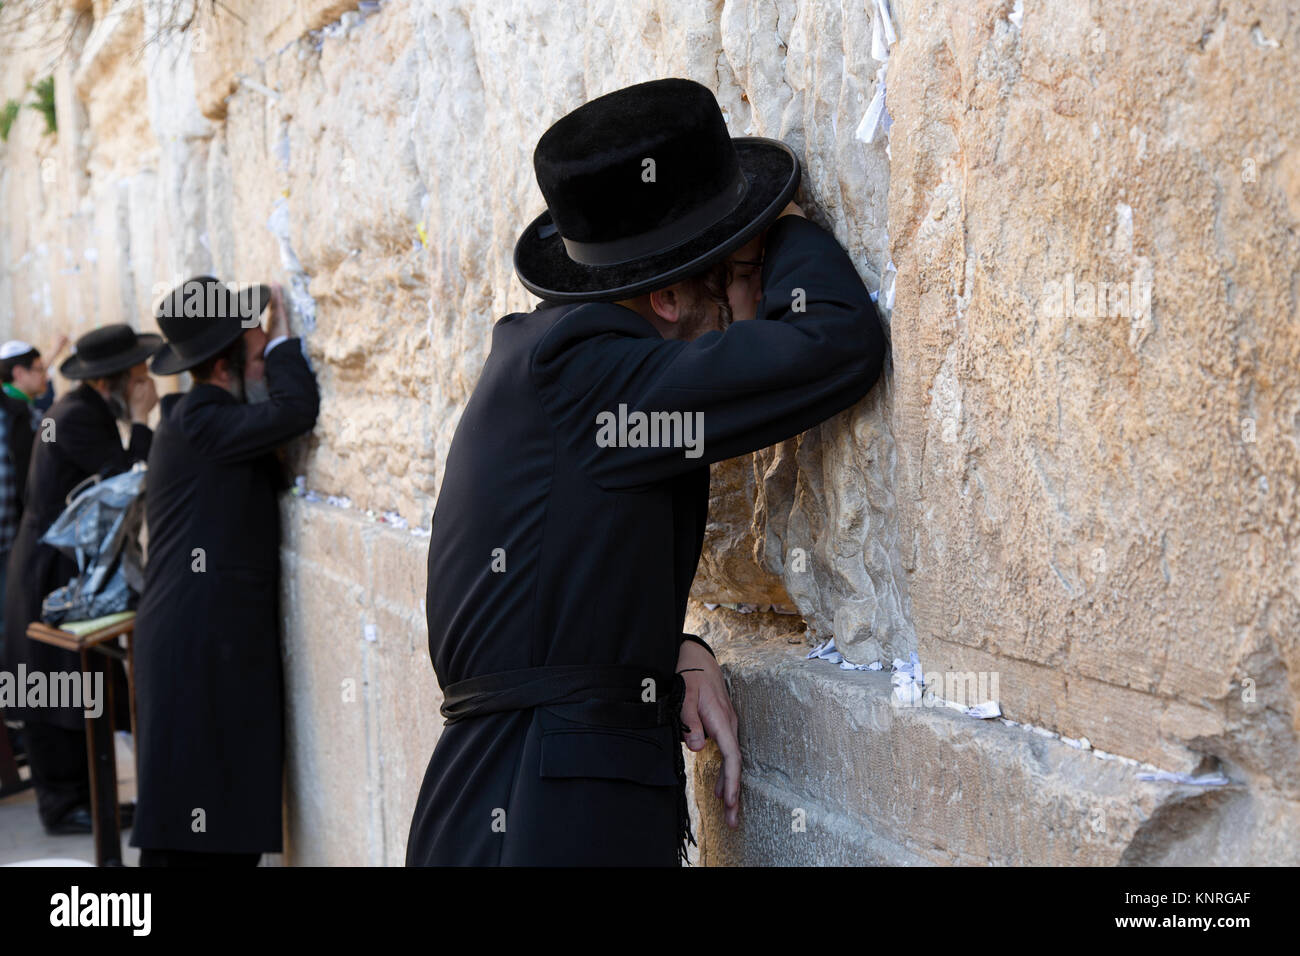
(108, 350)
(644, 187)
(201, 317)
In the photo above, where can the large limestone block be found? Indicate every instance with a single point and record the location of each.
(407, 724)
(729, 571)
(406, 696)
(112, 88)
(362, 699)
(824, 509)
(840, 537)
(330, 813)
(1105, 488)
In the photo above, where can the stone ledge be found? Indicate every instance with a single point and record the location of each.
(827, 837)
(921, 785)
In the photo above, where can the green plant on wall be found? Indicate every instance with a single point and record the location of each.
(44, 104)
(8, 113)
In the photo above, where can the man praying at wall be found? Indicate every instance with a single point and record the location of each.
(209, 688)
(81, 439)
(681, 285)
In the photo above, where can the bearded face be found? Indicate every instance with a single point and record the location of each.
(704, 314)
(117, 397)
(255, 391)
(707, 307)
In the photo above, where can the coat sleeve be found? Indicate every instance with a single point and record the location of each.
(815, 347)
(137, 449)
(230, 432)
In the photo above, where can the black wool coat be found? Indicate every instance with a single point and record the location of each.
(85, 442)
(209, 693)
(549, 549)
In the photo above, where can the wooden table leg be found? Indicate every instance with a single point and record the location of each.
(101, 747)
(129, 637)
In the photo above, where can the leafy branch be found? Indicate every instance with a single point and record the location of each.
(44, 90)
(8, 113)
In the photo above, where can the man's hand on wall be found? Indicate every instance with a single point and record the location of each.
(707, 712)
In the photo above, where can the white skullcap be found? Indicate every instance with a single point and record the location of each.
(14, 347)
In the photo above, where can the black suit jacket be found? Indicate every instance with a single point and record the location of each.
(595, 547)
(85, 441)
(207, 646)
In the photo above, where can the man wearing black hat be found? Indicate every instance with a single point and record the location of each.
(690, 314)
(78, 438)
(207, 651)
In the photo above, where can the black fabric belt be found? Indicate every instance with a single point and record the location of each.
(604, 690)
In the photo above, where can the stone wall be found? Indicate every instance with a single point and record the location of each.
(1092, 498)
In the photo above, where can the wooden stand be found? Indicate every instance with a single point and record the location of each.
(100, 747)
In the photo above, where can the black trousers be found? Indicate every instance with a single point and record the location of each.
(60, 770)
(191, 858)
(57, 755)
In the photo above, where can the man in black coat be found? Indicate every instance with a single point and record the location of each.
(690, 314)
(22, 380)
(79, 438)
(207, 652)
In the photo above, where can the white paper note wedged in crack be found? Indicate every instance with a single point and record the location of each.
(1205, 780)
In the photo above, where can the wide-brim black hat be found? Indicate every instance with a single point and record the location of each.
(109, 350)
(202, 317)
(645, 187)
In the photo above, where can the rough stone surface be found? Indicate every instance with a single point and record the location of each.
(1103, 504)
(1096, 504)
(835, 773)
(363, 705)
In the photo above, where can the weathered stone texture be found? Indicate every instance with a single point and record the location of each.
(1099, 507)
(834, 773)
(1104, 504)
(362, 715)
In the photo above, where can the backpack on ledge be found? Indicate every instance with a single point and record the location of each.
(99, 529)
